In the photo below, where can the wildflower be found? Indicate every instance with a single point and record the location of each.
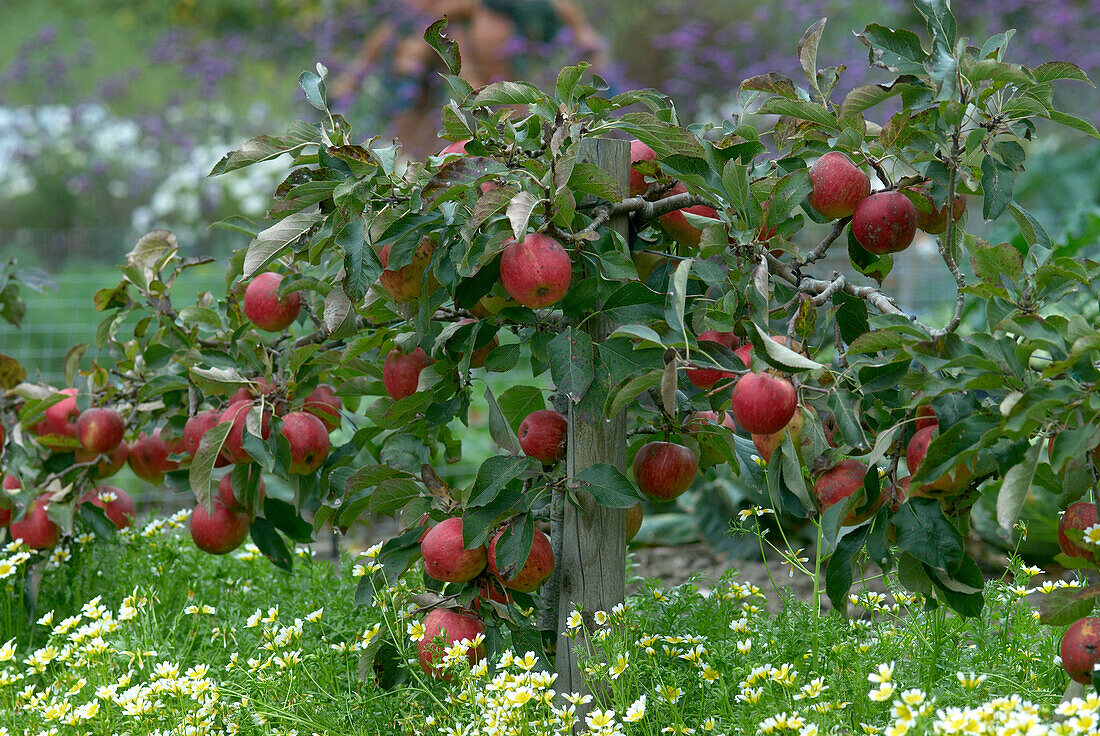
(7, 652)
(577, 698)
(574, 621)
(601, 618)
(970, 681)
(670, 693)
(709, 674)
(885, 673)
(744, 646)
(600, 719)
(812, 690)
(415, 630)
(620, 665)
(636, 711)
(315, 616)
(882, 692)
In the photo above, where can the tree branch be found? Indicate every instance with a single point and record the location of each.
(823, 247)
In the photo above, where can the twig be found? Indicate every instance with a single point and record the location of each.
(823, 247)
(948, 239)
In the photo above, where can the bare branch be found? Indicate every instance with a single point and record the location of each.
(823, 247)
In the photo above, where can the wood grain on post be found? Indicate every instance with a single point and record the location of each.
(593, 550)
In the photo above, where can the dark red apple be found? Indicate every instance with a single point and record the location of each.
(838, 185)
(766, 443)
(841, 481)
(706, 378)
(538, 566)
(917, 447)
(228, 495)
(935, 222)
(639, 152)
(542, 435)
(115, 502)
(926, 417)
(406, 283)
(536, 272)
(148, 458)
(324, 405)
(446, 558)
(1080, 516)
(1080, 649)
(100, 430)
(401, 372)
(677, 227)
(885, 222)
(664, 470)
(263, 307)
(220, 531)
(35, 528)
(308, 440)
(108, 464)
(442, 628)
(233, 448)
(763, 403)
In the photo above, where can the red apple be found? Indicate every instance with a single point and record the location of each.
(841, 481)
(838, 185)
(1081, 516)
(762, 403)
(457, 147)
(59, 421)
(639, 152)
(926, 417)
(766, 443)
(535, 272)
(664, 470)
(196, 427)
(538, 566)
(109, 463)
(477, 360)
(100, 430)
(885, 222)
(491, 589)
(220, 531)
(401, 372)
(11, 483)
(935, 222)
(1080, 649)
(633, 520)
(445, 556)
(324, 405)
(7, 507)
(542, 435)
(406, 283)
(148, 458)
(308, 440)
(677, 227)
(227, 495)
(450, 626)
(233, 448)
(115, 502)
(258, 387)
(263, 307)
(917, 447)
(706, 378)
(35, 528)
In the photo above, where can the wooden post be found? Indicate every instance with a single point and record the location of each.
(593, 549)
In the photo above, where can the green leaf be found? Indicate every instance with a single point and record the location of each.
(867, 96)
(801, 109)
(782, 356)
(778, 84)
(275, 240)
(217, 381)
(265, 148)
(735, 180)
(677, 296)
(926, 534)
(266, 537)
(591, 179)
(1063, 606)
(519, 212)
(1054, 70)
(497, 472)
(840, 572)
(12, 372)
(807, 53)
(313, 85)
(895, 50)
(391, 495)
(506, 93)
(618, 398)
(664, 138)
(1015, 488)
(499, 428)
(96, 518)
(1033, 231)
(361, 265)
(446, 47)
(519, 401)
(941, 23)
(570, 357)
(567, 81)
(994, 263)
(286, 518)
(997, 183)
(1072, 121)
(608, 486)
(202, 466)
(876, 341)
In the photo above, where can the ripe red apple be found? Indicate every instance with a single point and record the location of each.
(450, 626)
(766, 443)
(196, 427)
(838, 185)
(308, 440)
(228, 495)
(677, 227)
(535, 272)
(491, 589)
(1081, 516)
(706, 378)
(109, 463)
(926, 417)
(445, 557)
(639, 152)
(148, 458)
(220, 531)
(841, 481)
(664, 470)
(264, 308)
(542, 435)
(917, 448)
(324, 405)
(538, 566)
(950, 482)
(115, 502)
(401, 372)
(477, 360)
(1080, 649)
(100, 430)
(935, 222)
(233, 448)
(885, 222)
(762, 403)
(407, 282)
(35, 528)
(7, 507)
(59, 421)
(633, 520)
(457, 147)
(11, 483)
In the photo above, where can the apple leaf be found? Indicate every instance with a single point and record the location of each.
(570, 357)
(313, 84)
(265, 148)
(781, 356)
(926, 534)
(390, 495)
(96, 517)
(202, 466)
(267, 538)
(997, 184)
(1015, 487)
(519, 212)
(497, 472)
(499, 428)
(361, 265)
(287, 519)
(630, 389)
(807, 53)
(275, 240)
(514, 546)
(447, 48)
(12, 373)
(608, 486)
(840, 572)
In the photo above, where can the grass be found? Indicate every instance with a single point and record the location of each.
(146, 635)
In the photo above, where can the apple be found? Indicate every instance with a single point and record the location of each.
(445, 556)
(633, 520)
(677, 227)
(227, 495)
(1081, 516)
(401, 372)
(841, 481)
(450, 626)
(264, 308)
(646, 263)
(542, 435)
(899, 493)
(148, 458)
(708, 456)
(457, 147)
(406, 283)
(706, 378)
(258, 387)
(100, 430)
(109, 463)
(325, 405)
(762, 403)
(917, 448)
(639, 152)
(7, 507)
(1080, 649)
(926, 417)
(115, 502)
(838, 185)
(59, 421)
(35, 528)
(538, 566)
(951, 482)
(489, 305)
(237, 412)
(885, 222)
(766, 443)
(219, 531)
(308, 440)
(477, 360)
(664, 470)
(491, 589)
(535, 272)
(935, 222)
(196, 427)
(1095, 451)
